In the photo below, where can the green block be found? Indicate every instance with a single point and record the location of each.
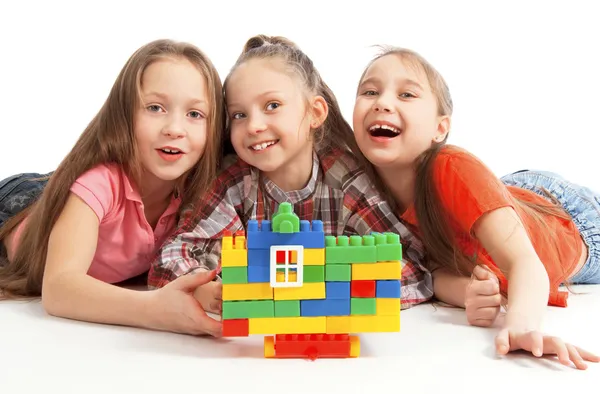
(285, 220)
(230, 275)
(248, 309)
(286, 308)
(388, 246)
(338, 273)
(313, 273)
(363, 306)
(348, 250)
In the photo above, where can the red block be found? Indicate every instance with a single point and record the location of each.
(236, 328)
(312, 346)
(362, 289)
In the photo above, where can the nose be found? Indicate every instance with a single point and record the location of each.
(256, 124)
(383, 104)
(174, 128)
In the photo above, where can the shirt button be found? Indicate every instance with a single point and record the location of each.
(163, 220)
(155, 239)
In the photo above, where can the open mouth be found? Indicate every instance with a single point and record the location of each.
(263, 145)
(384, 131)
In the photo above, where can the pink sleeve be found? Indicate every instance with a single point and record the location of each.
(97, 188)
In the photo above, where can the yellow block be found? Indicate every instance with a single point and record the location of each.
(314, 256)
(234, 254)
(287, 325)
(378, 271)
(234, 258)
(247, 291)
(308, 291)
(338, 325)
(387, 306)
(359, 324)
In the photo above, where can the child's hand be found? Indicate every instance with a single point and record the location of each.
(510, 339)
(177, 310)
(482, 297)
(210, 296)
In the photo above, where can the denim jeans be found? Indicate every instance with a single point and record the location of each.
(580, 202)
(17, 192)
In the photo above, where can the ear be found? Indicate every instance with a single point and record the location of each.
(443, 129)
(318, 111)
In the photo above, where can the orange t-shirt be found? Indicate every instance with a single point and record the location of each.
(468, 189)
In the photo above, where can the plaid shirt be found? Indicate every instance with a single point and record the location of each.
(339, 193)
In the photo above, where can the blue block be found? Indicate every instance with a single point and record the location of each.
(387, 289)
(264, 238)
(325, 307)
(337, 290)
(259, 274)
(259, 257)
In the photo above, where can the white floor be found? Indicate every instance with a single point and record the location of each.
(435, 351)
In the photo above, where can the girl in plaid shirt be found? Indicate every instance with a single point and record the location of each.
(293, 145)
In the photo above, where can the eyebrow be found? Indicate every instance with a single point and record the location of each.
(164, 97)
(403, 81)
(267, 93)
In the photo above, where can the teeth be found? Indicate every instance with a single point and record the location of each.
(384, 126)
(263, 145)
(170, 151)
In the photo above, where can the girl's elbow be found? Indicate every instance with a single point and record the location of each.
(51, 297)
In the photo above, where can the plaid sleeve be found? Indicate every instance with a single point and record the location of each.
(368, 213)
(196, 244)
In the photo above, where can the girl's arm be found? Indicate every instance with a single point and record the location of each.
(450, 288)
(67, 290)
(503, 235)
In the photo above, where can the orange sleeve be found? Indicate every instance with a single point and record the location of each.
(467, 187)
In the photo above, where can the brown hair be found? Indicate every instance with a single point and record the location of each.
(109, 138)
(335, 131)
(434, 224)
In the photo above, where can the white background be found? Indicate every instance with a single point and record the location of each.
(525, 81)
(524, 75)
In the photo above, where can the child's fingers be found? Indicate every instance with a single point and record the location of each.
(502, 342)
(486, 288)
(481, 272)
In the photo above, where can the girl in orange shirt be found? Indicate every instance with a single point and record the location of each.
(524, 235)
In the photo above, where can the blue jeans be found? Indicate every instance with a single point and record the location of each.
(580, 202)
(17, 192)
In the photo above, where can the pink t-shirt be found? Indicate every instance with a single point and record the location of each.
(126, 241)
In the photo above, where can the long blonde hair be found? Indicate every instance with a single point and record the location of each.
(109, 138)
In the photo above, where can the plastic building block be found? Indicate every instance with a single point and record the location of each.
(247, 292)
(353, 249)
(309, 291)
(387, 306)
(287, 308)
(363, 306)
(338, 273)
(233, 251)
(312, 346)
(305, 291)
(235, 328)
(327, 307)
(363, 288)
(377, 271)
(312, 238)
(337, 290)
(248, 309)
(288, 325)
(387, 289)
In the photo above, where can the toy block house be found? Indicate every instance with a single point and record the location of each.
(308, 291)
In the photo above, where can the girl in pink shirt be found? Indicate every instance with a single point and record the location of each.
(100, 218)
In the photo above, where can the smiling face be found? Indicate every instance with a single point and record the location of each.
(171, 121)
(396, 115)
(270, 123)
